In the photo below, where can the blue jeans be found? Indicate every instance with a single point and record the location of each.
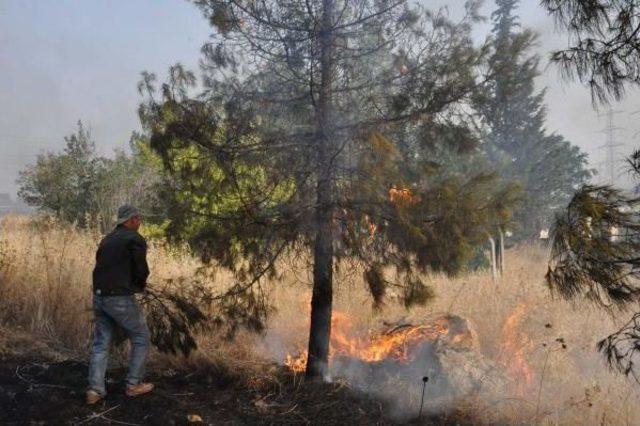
(109, 312)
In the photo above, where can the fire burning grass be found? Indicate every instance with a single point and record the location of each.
(444, 348)
(513, 354)
(395, 363)
(399, 343)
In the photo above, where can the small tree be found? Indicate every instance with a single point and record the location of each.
(64, 183)
(77, 185)
(134, 178)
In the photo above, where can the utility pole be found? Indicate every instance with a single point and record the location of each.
(610, 146)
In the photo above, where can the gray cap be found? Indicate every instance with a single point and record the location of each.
(125, 213)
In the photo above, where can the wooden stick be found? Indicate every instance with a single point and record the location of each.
(97, 415)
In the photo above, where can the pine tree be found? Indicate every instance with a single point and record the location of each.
(548, 168)
(311, 134)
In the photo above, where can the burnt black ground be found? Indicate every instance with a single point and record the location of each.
(42, 386)
(38, 387)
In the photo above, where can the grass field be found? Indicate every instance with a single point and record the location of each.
(546, 346)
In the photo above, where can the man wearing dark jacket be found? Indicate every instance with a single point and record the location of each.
(121, 271)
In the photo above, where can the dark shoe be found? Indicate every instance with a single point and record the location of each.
(93, 397)
(139, 389)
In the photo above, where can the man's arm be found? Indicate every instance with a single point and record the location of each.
(140, 267)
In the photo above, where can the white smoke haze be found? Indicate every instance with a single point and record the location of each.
(450, 368)
(70, 60)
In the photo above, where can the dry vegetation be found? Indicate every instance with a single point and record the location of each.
(45, 271)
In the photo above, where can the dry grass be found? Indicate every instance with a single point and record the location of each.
(45, 275)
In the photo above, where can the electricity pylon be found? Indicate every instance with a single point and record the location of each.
(610, 146)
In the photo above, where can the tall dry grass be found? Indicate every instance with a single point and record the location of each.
(45, 281)
(45, 276)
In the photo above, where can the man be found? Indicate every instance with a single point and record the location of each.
(121, 271)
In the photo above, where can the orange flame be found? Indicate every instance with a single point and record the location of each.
(402, 196)
(396, 344)
(513, 350)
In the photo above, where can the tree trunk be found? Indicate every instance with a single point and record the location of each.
(321, 301)
(494, 271)
(499, 255)
(501, 250)
(322, 298)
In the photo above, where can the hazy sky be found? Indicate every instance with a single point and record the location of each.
(65, 60)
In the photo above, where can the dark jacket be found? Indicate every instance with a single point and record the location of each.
(121, 264)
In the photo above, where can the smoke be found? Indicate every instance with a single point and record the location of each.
(450, 376)
(391, 362)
